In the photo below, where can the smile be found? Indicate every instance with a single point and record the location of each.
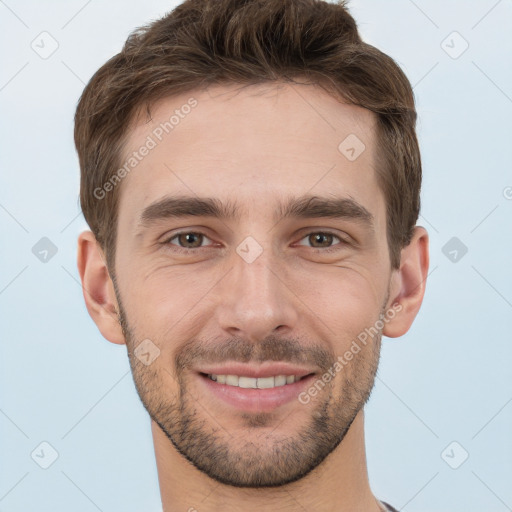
(241, 381)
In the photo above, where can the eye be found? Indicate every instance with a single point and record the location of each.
(188, 239)
(324, 239)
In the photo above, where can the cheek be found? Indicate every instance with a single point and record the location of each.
(164, 300)
(335, 301)
(344, 300)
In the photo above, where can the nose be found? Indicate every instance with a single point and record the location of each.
(256, 299)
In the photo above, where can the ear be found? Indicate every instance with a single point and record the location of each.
(98, 288)
(408, 284)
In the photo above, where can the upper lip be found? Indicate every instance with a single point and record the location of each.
(264, 370)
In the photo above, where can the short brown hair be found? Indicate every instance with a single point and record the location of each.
(206, 42)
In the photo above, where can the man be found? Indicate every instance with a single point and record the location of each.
(251, 176)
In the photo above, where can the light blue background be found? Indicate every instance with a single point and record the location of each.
(449, 379)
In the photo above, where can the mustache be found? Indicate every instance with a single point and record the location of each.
(272, 348)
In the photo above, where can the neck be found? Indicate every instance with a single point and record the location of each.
(338, 484)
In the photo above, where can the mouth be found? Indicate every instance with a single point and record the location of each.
(242, 381)
(255, 393)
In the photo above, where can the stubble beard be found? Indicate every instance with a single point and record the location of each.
(266, 455)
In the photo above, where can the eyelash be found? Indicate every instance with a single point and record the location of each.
(318, 249)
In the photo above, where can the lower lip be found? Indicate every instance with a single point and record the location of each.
(256, 400)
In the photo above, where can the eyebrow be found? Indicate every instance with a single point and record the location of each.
(303, 207)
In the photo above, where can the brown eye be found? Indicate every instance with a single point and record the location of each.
(188, 240)
(321, 239)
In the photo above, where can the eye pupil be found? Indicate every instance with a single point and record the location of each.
(326, 236)
(191, 240)
(187, 238)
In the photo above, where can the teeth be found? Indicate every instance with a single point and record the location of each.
(266, 382)
(232, 380)
(246, 382)
(280, 380)
(251, 382)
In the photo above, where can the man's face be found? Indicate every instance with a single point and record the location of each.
(271, 285)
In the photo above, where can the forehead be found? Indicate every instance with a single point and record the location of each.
(249, 144)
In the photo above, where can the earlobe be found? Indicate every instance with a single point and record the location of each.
(98, 288)
(408, 284)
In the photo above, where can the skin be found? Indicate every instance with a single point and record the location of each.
(254, 147)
